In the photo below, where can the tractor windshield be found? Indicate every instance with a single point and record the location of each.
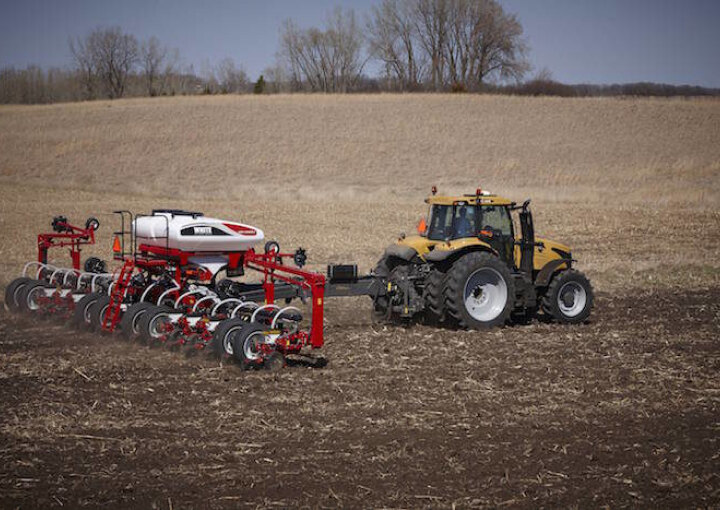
(496, 218)
(463, 220)
(452, 221)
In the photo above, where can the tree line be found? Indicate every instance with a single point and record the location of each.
(414, 45)
(434, 45)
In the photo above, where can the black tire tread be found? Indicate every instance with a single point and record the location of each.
(129, 317)
(216, 347)
(455, 286)
(22, 297)
(435, 294)
(144, 323)
(549, 299)
(238, 342)
(96, 318)
(10, 301)
(78, 319)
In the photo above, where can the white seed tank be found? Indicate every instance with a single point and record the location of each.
(191, 231)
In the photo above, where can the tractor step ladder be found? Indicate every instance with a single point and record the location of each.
(112, 315)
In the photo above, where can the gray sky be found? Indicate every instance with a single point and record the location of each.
(589, 41)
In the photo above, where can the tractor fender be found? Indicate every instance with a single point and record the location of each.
(401, 252)
(441, 255)
(549, 269)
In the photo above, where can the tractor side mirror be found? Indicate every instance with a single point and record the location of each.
(422, 227)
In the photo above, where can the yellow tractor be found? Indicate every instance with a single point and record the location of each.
(471, 265)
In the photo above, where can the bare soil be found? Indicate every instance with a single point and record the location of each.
(619, 412)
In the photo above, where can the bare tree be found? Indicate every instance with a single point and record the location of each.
(231, 79)
(463, 43)
(170, 69)
(431, 22)
(106, 56)
(483, 42)
(152, 59)
(327, 61)
(278, 78)
(346, 42)
(85, 66)
(393, 39)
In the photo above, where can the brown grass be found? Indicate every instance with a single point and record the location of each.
(646, 150)
(632, 185)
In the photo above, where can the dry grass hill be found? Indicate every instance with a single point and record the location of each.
(343, 175)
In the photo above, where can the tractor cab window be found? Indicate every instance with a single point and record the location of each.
(496, 218)
(464, 222)
(440, 226)
(452, 221)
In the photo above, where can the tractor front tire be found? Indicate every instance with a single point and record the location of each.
(480, 291)
(569, 297)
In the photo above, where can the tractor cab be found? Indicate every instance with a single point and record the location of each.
(482, 217)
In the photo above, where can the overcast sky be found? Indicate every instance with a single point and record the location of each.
(579, 41)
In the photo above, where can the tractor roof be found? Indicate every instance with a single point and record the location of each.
(484, 198)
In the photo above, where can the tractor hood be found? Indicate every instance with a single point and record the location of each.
(422, 245)
(408, 247)
(547, 251)
(554, 247)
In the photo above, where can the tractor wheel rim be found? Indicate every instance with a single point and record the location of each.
(571, 299)
(485, 294)
(157, 325)
(32, 298)
(251, 345)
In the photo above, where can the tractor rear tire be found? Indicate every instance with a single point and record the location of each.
(435, 296)
(12, 293)
(379, 312)
(569, 297)
(384, 266)
(97, 313)
(81, 316)
(28, 294)
(480, 291)
(130, 322)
